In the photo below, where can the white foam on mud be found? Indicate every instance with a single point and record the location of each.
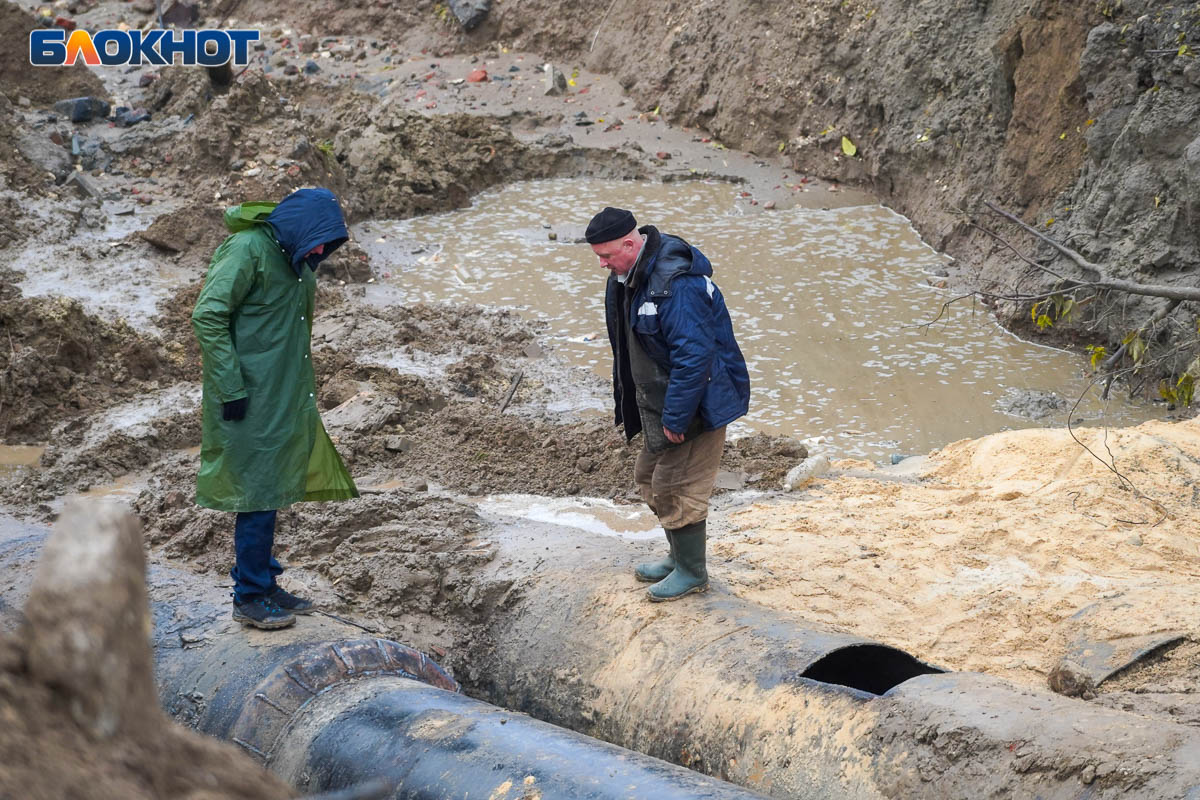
(410, 361)
(591, 514)
(112, 278)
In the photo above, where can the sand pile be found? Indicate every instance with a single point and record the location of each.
(1008, 550)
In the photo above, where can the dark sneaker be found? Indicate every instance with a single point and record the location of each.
(262, 613)
(289, 602)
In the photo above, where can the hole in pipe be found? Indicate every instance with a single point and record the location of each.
(871, 668)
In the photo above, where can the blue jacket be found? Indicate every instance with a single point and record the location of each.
(680, 323)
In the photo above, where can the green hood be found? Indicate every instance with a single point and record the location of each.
(240, 218)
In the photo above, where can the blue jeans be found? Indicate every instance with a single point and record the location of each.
(255, 569)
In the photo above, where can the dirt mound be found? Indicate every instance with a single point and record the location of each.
(265, 137)
(402, 163)
(48, 756)
(77, 695)
(194, 230)
(1010, 551)
(40, 86)
(60, 362)
(440, 423)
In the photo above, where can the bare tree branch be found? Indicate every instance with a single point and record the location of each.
(1129, 287)
(1112, 465)
(1019, 254)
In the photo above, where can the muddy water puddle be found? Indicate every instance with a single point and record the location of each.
(17, 459)
(827, 304)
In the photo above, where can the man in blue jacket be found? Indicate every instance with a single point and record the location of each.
(678, 379)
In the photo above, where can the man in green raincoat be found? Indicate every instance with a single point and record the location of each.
(264, 446)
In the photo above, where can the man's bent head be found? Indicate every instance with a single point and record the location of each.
(615, 240)
(309, 226)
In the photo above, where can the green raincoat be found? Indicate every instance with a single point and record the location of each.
(253, 320)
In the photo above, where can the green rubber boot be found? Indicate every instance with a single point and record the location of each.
(689, 574)
(655, 571)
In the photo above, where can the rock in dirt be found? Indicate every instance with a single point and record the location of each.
(44, 154)
(84, 185)
(125, 117)
(470, 13)
(365, 412)
(1072, 680)
(82, 109)
(397, 444)
(88, 616)
(181, 15)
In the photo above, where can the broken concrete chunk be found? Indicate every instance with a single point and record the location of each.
(83, 184)
(470, 12)
(556, 82)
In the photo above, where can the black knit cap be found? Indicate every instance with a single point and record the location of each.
(611, 223)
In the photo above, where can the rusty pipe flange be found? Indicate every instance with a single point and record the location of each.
(289, 688)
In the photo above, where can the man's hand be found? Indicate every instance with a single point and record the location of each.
(235, 410)
(672, 436)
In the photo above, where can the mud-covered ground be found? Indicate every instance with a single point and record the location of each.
(98, 275)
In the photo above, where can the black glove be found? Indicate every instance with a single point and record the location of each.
(235, 409)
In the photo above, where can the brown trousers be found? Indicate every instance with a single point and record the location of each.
(676, 483)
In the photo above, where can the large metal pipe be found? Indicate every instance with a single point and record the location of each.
(326, 708)
(763, 699)
(740, 692)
